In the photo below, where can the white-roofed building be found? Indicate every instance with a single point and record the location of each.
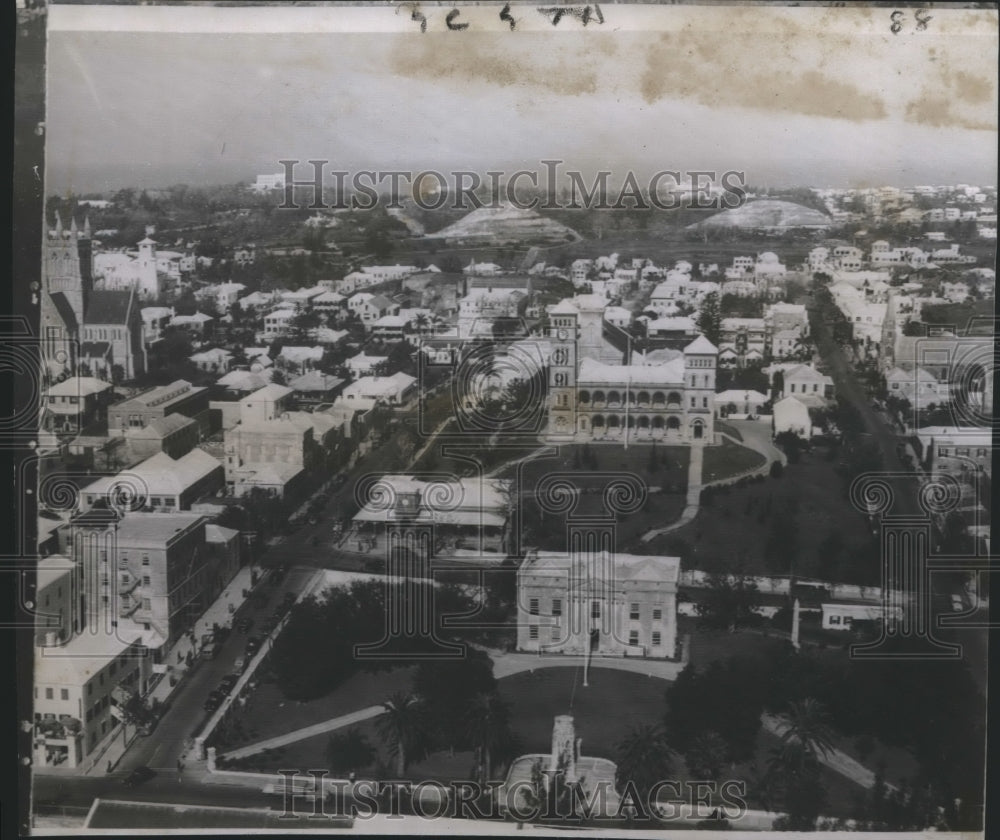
(593, 399)
(736, 401)
(158, 484)
(918, 386)
(278, 322)
(300, 359)
(467, 514)
(391, 390)
(213, 360)
(75, 403)
(364, 365)
(791, 415)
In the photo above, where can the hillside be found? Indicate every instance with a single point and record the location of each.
(767, 214)
(507, 224)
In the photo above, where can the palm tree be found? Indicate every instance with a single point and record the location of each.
(807, 733)
(794, 763)
(403, 728)
(487, 724)
(706, 756)
(644, 758)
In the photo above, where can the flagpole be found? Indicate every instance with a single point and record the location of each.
(628, 383)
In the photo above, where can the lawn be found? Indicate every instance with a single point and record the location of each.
(736, 522)
(590, 469)
(537, 698)
(727, 460)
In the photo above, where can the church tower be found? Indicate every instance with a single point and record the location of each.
(700, 361)
(62, 266)
(149, 286)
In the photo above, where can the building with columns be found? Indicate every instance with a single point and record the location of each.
(595, 398)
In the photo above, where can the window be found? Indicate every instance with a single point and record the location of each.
(145, 559)
(657, 638)
(704, 402)
(90, 689)
(943, 450)
(557, 606)
(657, 614)
(48, 694)
(633, 612)
(835, 619)
(595, 609)
(980, 453)
(555, 634)
(963, 450)
(154, 501)
(145, 580)
(792, 386)
(633, 638)
(168, 502)
(533, 632)
(533, 606)
(64, 694)
(104, 599)
(145, 603)
(692, 402)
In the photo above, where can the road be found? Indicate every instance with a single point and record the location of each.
(848, 387)
(975, 642)
(164, 746)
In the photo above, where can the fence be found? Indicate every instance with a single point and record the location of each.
(697, 579)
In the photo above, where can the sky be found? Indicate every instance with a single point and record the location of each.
(786, 96)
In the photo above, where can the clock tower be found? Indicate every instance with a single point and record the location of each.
(563, 323)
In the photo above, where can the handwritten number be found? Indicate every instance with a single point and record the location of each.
(455, 27)
(507, 16)
(920, 16)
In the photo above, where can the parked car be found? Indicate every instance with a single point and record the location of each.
(240, 665)
(957, 604)
(244, 624)
(227, 683)
(210, 651)
(213, 701)
(253, 645)
(138, 776)
(269, 625)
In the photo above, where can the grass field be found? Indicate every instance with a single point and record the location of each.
(727, 460)
(737, 522)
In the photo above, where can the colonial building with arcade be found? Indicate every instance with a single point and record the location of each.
(599, 394)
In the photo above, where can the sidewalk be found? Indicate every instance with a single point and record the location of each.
(693, 502)
(837, 760)
(305, 732)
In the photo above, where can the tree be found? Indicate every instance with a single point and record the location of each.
(644, 758)
(729, 600)
(487, 724)
(706, 756)
(709, 318)
(794, 763)
(791, 445)
(348, 752)
(449, 688)
(403, 728)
